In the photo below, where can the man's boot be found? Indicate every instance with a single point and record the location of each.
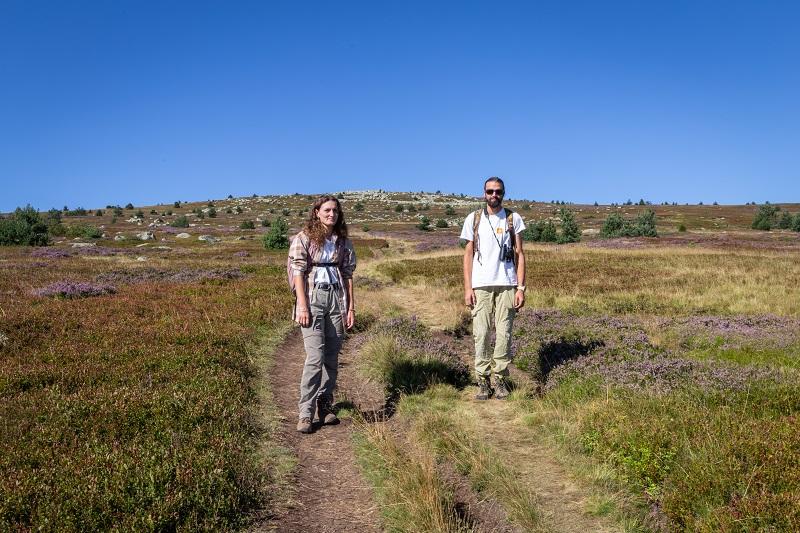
(501, 391)
(304, 425)
(325, 411)
(484, 388)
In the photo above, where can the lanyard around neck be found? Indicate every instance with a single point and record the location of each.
(494, 232)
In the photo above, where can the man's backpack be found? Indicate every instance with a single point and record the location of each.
(476, 220)
(311, 250)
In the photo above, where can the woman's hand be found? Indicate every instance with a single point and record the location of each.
(303, 317)
(350, 320)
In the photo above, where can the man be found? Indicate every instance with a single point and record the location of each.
(494, 284)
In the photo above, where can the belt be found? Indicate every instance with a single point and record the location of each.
(326, 286)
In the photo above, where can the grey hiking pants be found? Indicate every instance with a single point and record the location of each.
(323, 340)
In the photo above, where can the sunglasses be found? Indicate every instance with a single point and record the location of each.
(498, 192)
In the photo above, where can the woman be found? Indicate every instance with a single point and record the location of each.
(322, 262)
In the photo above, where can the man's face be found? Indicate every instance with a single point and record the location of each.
(493, 192)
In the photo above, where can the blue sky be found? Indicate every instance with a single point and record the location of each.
(150, 102)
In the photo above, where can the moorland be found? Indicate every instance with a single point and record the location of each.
(656, 377)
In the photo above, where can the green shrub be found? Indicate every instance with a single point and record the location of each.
(540, 231)
(399, 208)
(796, 222)
(682, 228)
(285, 211)
(212, 212)
(449, 211)
(785, 221)
(441, 223)
(153, 212)
(180, 222)
(98, 213)
(238, 209)
(139, 214)
(765, 218)
(84, 231)
(117, 211)
(78, 212)
(24, 227)
(277, 238)
(265, 223)
(176, 204)
(365, 228)
(424, 224)
(247, 224)
(359, 206)
(644, 225)
(570, 232)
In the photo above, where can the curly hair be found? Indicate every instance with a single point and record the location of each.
(316, 230)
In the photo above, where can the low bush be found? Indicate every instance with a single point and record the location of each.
(441, 223)
(766, 217)
(24, 227)
(84, 231)
(644, 225)
(247, 224)
(180, 222)
(424, 224)
(277, 237)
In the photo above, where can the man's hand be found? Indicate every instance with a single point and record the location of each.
(469, 298)
(303, 317)
(350, 319)
(519, 299)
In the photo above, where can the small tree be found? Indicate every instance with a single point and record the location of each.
(613, 226)
(129, 206)
(24, 227)
(765, 217)
(785, 221)
(424, 223)
(176, 204)
(796, 222)
(570, 232)
(277, 236)
(645, 224)
(180, 222)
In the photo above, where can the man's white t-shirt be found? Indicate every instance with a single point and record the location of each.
(490, 270)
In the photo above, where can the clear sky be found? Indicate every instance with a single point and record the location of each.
(109, 102)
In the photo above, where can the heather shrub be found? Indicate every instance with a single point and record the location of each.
(765, 218)
(247, 224)
(276, 238)
(24, 227)
(180, 222)
(74, 289)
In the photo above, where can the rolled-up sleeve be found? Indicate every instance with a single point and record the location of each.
(349, 262)
(298, 255)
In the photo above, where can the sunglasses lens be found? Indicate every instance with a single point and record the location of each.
(498, 192)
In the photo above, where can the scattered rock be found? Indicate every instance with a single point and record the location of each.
(83, 244)
(143, 244)
(182, 236)
(590, 231)
(163, 248)
(141, 258)
(145, 236)
(119, 237)
(3, 339)
(208, 238)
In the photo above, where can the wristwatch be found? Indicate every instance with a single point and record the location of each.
(521, 288)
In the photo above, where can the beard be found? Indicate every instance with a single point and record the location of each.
(494, 202)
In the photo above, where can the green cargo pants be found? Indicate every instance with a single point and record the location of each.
(497, 302)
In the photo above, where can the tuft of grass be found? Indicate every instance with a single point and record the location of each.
(413, 497)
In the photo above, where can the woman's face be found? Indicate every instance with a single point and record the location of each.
(328, 214)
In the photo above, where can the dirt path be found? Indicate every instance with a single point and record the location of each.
(330, 494)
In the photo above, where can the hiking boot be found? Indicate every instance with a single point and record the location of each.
(501, 391)
(485, 389)
(304, 425)
(325, 412)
